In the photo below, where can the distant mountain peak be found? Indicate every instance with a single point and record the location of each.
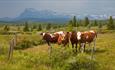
(31, 14)
(41, 15)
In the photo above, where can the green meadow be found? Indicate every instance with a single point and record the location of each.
(30, 52)
(37, 56)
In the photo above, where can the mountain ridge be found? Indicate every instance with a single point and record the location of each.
(31, 14)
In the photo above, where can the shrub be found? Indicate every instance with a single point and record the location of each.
(81, 62)
(28, 43)
(23, 45)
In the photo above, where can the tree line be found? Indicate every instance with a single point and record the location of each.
(91, 23)
(74, 22)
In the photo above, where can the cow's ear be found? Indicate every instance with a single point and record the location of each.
(41, 33)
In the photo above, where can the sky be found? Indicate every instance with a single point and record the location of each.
(13, 8)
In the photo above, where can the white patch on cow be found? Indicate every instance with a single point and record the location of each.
(78, 35)
(86, 32)
(87, 36)
(44, 34)
(61, 33)
(92, 31)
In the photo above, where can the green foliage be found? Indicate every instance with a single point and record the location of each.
(87, 21)
(28, 43)
(6, 28)
(100, 25)
(74, 21)
(89, 26)
(48, 27)
(111, 25)
(81, 62)
(18, 28)
(34, 27)
(26, 27)
(39, 27)
(24, 44)
(69, 26)
(95, 23)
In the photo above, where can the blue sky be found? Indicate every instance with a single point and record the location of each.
(12, 8)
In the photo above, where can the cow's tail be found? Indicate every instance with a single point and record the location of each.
(96, 35)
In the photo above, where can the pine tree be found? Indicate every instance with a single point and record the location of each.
(70, 28)
(34, 27)
(95, 23)
(26, 27)
(111, 25)
(100, 25)
(39, 27)
(74, 21)
(89, 26)
(86, 21)
(18, 28)
(70, 23)
(48, 26)
(6, 28)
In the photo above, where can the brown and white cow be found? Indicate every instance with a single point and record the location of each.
(86, 37)
(65, 41)
(73, 39)
(56, 37)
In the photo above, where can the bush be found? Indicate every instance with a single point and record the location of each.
(24, 44)
(81, 62)
(28, 43)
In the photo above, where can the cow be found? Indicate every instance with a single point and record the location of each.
(86, 37)
(56, 37)
(65, 41)
(73, 39)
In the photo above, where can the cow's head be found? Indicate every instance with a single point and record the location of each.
(42, 34)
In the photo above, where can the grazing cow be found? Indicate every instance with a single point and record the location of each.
(57, 37)
(73, 39)
(65, 41)
(86, 37)
(61, 36)
(49, 38)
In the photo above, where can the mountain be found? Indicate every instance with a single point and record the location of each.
(31, 14)
(41, 15)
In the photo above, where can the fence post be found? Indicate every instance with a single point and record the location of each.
(10, 51)
(12, 44)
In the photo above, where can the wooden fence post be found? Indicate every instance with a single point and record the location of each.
(10, 51)
(12, 44)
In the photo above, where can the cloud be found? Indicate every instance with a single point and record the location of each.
(12, 8)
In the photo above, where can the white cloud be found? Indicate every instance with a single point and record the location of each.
(13, 8)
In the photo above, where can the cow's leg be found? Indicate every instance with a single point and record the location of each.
(94, 48)
(76, 47)
(49, 47)
(84, 46)
(73, 47)
(89, 45)
(67, 43)
(80, 47)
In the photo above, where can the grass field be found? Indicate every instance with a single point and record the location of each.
(38, 58)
